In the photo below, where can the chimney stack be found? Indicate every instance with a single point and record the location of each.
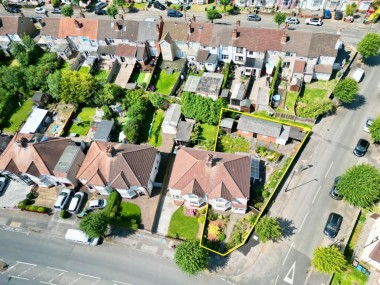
(82, 15)
(194, 18)
(284, 38)
(209, 160)
(238, 23)
(110, 151)
(116, 26)
(235, 34)
(23, 142)
(77, 24)
(157, 28)
(121, 17)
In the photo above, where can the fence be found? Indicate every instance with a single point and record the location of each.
(179, 81)
(294, 118)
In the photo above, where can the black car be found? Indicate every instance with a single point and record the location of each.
(253, 17)
(334, 192)
(3, 184)
(159, 6)
(13, 9)
(100, 5)
(361, 147)
(101, 12)
(338, 15)
(56, 11)
(333, 225)
(174, 13)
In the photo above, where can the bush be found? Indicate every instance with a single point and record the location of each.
(265, 194)
(21, 206)
(64, 214)
(114, 199)
(33, 208)
(134, 225)
(41, 210)
(274, 156)
(226, 74)
(222, 237)
(261, 150)
(230, 9)
(202, 219)
(112, 215)
(251, 218)
(175, 7)
(27, 207)
(30, 196)
(258, 205)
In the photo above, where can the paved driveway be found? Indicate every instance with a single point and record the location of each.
(13, 194)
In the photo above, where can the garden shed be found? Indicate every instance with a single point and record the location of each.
(171, 119)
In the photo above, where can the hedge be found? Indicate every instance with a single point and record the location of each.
(113, 202)
(275, 79)
(226, 74)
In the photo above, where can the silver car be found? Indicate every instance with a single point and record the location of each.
(292, 20)
(368, 124)
(63, 199)
(76, 203)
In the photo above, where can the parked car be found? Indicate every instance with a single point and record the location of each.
(56, 11)
(98, 204)
(76, 202)
(368, 124)
(100, 5)
(333, 224)
(13, 9)
(292, 20)
(63, 199)
(314, 21)
(358, 75)
(174, 13)
(101, 12)
(3, 184)
(40, 10)
(253, 17)
(159, 6)
(326, 14)
(361, 147)
(338, 15)
(334, 192)
(40, 4)
(80, 237)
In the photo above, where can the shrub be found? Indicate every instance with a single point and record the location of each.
(114, 199)
(33, 208)
(30, 196)
(175, 7)
(214, 230)
(258, 205)
(64, 214)
(112, 215)
(41, 210)
(265, 194)
(202, 211)
(27, 207)
(251, 218)
(274, 156)
(202, 219)
(230, 10)
(226, 74)
(134, 225)
(261, 150)
(222, 237)
(211, 216)
(21, 206)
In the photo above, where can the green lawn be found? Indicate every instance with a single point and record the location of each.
(86, 115)
(129, 214)
(208, 132)
(165, 82)
(141, 77)
(232, 145)
(290, 101)
(155, 136)
(19, 116)
(84, 69)
(349, 277)
(183, 226)
(311, 94)
(101, 76)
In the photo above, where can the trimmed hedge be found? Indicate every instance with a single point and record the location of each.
(113, 203)
(227, 71)
(273, 87)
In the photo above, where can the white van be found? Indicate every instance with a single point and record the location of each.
(80, 237)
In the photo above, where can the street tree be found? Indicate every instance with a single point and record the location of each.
(375, 130)
(360, 185)
(67, 11)
(279, 18)
(369, 45)
(346, 90)
(212, 15)
(94, 225)
(112, 10)
(225, 3)
(329, 260)
(56, 3)
(314, 109)
(190, 257)
(268, 228)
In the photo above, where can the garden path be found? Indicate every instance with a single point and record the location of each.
(234, 218)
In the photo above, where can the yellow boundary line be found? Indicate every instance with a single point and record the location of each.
(275, 189)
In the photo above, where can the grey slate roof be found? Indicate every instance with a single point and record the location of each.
(110, 49)
(184, 130)
(147, 30)
(296, 133)
(259, 126)
(227, 123)
(178, 30)
(50, 27)
(15, 25)
(127, 30)
(103, 131)
(172, 115)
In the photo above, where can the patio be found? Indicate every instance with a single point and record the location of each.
(63, 114)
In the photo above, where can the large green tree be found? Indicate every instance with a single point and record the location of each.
(375, 130)
(26, 52)
(329, 260)
(190, 257)
(67, 11)
(314, 109)
(212, 15)
(360, 185)
(53, 83)
(110, 94)
(268, 228)
(112, 11)
(279, 18)
(94, 225)
(225, 3)
(346, 90)
(369, 45)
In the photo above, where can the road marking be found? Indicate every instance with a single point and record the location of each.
(276, 279)
(327, 173)
(60, 274)
(26, 263)
(316, 194)
(88, 276)
(17, 230)
(119, 282)
(44, 282)
(17, 277)
(304, 218)
(72, 282)
(56, 269)
(292, 269)
(287, 253)
(96, 282)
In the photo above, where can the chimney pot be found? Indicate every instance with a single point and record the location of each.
(121, 17)
(238, 23)
(209, 160)
(77, 24)
(235, 34)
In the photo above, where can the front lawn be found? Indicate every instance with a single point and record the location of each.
(165, 82)
(19, 116)
(128, 216)
(155, 136)
(232, 145)
(86, 115)
(182, 226)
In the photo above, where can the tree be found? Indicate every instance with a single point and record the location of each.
(374, 129)
(131, 97)
(25, 53)
(119, 3)
(110, 94)
(67, 11)
(369, 45)
(225, 3)
(212, 15)
(360, 185)
(56, 3)
(268, 229)
(53, 82)
(156, 99)
(329, 260)
(190, 257)
(349, 11)
(279, 18)
(314, 109)
(94, 225)
(346, 90)
(112, 10)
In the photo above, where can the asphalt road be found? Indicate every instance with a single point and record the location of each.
(306, 205)
(49, 259)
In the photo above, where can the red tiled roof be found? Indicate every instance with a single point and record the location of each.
(126, 50)
(299, 66)
(79, 27)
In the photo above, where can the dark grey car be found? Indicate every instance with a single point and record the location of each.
(333, 225)
(334, 192)
(361, 147)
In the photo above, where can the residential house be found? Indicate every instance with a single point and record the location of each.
(149, 32)
(128, 168)
(103, 131)
(313, 5)
(264, 130)
(114, 32)
(371, 251)
(220, 179)
(131, 52)
(12, 28)
(297, 76)
(174, 42)
(171, 119)
(206, 60)
(46, 161)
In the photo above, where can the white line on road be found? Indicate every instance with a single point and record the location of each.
(288, 253)
(276, 279)
(18, 277)
(88, 276)
(316, 194)
(304, 218)
(26, 263)
(57, 269)
(72, 282)
(119, 282)
(44, 282)
(327, 173)
(60, 274)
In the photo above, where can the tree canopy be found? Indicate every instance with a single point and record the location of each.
(279, 18)
(67, 11)
(375, 130)
(268, 228)
(360, 185)
(212, 15)
(369, 45)
(110, 94)
(112, 10)
(156, 99)
(190, 257)
(329, 260)
(26, 52)
(94, 225)
(346, 90)
(225, 3)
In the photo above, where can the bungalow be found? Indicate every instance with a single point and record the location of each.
(128, 168)
(250, 127)
(220, 179)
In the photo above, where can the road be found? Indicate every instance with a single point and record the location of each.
(304, 208)
(50, 259)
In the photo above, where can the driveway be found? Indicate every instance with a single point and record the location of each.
(14, 193)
